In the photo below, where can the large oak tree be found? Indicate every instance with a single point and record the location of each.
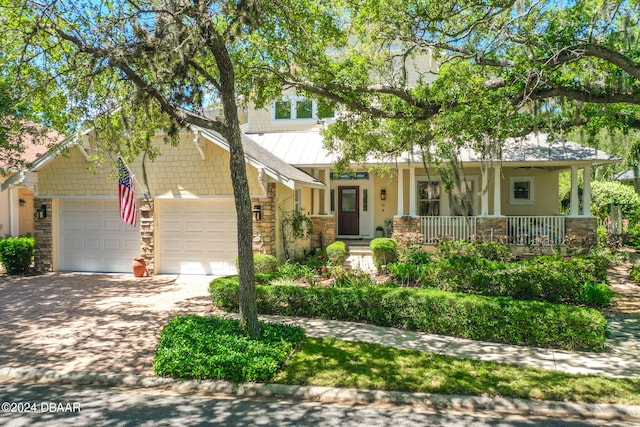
(136, 65)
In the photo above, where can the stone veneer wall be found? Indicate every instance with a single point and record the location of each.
(324, 231)
(43, 235)
(264, 230)
(581, 228)
(492, 228)
(147, 229)
(405, 224)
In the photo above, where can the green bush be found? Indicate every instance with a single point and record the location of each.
(476, 248)
(599, 295)
(547, 278)
(215, 348)
(635, 272)
(337, 252)
(384, 250)
(632, 237)
(16, 254)
(263, 263)
(495, 319)
(294, 270)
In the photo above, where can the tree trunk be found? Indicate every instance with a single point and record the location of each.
(248, 307)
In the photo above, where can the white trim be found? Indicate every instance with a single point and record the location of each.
(531, 199)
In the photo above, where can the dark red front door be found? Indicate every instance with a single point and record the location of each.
(348, 211)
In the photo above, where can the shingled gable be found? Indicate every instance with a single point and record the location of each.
(255, 155)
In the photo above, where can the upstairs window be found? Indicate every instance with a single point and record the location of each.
(299, 108)
(282, 110)
(304, 109)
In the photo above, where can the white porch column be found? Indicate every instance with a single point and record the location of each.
(484, 198)
(316, 195)
(412, 193)
(586, 191)
(497, 190)
(575, 203)
(327, 191)
(400, 192)
(14, 213)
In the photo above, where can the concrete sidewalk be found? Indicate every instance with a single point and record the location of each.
(103, 329)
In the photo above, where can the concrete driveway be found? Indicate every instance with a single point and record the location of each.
(92, 322)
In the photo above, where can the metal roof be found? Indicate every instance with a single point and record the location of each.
(305, 149)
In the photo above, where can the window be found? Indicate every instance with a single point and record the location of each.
(429, 193)
(298, 108)
(282, 110)
(326, 110)
(304, 109)
(333, 200)
(365, 200)
(521, 190)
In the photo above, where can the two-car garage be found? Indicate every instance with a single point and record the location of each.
(192, 236)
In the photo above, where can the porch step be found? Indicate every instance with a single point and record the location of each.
(360, 258)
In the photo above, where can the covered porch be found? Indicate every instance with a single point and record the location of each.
(492, 224)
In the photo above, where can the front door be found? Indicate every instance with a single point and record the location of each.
(348, 211)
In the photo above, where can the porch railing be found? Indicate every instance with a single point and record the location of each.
(435, 228)
(520, 230)
(535, 230)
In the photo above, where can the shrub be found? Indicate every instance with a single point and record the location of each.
(263, 263)
(215, 348)
(632, 237)
(635, 272)
(476, 248)
(384, 251)
(596, 295)
(337, 251)
(547, 278)
(294, 270)
(16, 254)
(495, 319)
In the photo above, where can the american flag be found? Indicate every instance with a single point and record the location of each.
(127, 194)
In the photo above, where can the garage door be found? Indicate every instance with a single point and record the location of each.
(93, 237)
(196, 236)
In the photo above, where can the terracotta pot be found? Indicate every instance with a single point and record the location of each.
(139, 267)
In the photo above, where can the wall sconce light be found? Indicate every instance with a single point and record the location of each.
(257, 212)
(22, 202)
(383, 194)
(41, 212)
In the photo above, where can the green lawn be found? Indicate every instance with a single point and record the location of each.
(335, 363)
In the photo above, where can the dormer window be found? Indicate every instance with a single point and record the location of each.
(300, 108)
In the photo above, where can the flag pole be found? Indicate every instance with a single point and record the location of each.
(133, 177)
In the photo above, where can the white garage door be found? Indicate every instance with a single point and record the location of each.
(197, 236)
(93, 237)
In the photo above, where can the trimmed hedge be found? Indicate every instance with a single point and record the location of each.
(384, 251)
(216, 348)
(263, 263)
(547, 278)
(16, 254)
(496, 319)
(338, 251)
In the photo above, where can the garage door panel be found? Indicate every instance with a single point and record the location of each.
(197, 236)
(92, 237)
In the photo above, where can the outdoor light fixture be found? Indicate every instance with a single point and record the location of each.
(257, 212)
(41, 212)
(383, 194)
